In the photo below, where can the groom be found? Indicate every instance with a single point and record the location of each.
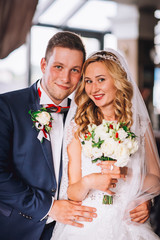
(30, 170)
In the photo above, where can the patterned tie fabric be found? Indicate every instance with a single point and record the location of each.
(56, 109)
(53, 108)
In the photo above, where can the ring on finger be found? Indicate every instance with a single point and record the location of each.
(73, 219)
(111, 167)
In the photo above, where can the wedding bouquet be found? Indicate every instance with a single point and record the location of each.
(109, 141)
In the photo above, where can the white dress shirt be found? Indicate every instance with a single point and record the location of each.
(56, 134)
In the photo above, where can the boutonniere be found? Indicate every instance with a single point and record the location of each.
(42, 121)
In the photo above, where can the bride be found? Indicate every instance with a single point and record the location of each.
(108, 93)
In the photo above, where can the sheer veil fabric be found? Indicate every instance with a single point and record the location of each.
(143, 169)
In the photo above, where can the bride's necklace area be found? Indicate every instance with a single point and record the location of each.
(108, 112)
(109, 117)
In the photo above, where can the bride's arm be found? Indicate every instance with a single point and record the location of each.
(79, 186)
(152, 179)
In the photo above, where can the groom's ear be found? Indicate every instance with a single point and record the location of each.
(43, 65)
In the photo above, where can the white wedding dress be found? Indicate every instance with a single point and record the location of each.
(110, 223)
(142, 183)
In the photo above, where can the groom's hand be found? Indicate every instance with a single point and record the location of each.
(69, 212)
(141, 213)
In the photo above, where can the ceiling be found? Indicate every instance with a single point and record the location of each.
(141, 3)
(89, 16)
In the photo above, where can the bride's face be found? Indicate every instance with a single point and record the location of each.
(99, 85)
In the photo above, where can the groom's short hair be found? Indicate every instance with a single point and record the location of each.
(65, 39)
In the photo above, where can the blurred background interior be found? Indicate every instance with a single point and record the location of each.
(131, 26)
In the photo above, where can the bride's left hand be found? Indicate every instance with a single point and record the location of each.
(110, 167)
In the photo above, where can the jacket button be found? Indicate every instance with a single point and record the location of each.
(53, 190)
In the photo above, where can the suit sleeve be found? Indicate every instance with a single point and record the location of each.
(14, 192)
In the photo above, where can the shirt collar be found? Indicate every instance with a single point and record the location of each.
(45, 99)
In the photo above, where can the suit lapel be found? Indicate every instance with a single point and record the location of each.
(46, 145)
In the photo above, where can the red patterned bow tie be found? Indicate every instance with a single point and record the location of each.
(53, 108)
(56, 109)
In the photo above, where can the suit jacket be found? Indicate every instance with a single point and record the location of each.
(27, 178)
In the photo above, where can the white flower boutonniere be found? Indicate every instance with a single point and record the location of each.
(42, 121)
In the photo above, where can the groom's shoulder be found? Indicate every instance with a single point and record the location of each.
(20, 93)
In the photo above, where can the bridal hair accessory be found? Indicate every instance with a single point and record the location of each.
(107, 56)
(42, 121)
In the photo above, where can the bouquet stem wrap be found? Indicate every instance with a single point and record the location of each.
(107, 199)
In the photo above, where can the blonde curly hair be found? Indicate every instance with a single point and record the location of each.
(87, 111)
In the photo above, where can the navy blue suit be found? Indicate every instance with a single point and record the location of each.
(27, 178)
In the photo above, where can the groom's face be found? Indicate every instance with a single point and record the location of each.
(61, 73)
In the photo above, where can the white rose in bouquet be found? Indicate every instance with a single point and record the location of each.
(108, 147)
(132, 145)
(121, 155)
(96, 152)
(122, 134)
(121, 151)
(100, 132)
(87, 149)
